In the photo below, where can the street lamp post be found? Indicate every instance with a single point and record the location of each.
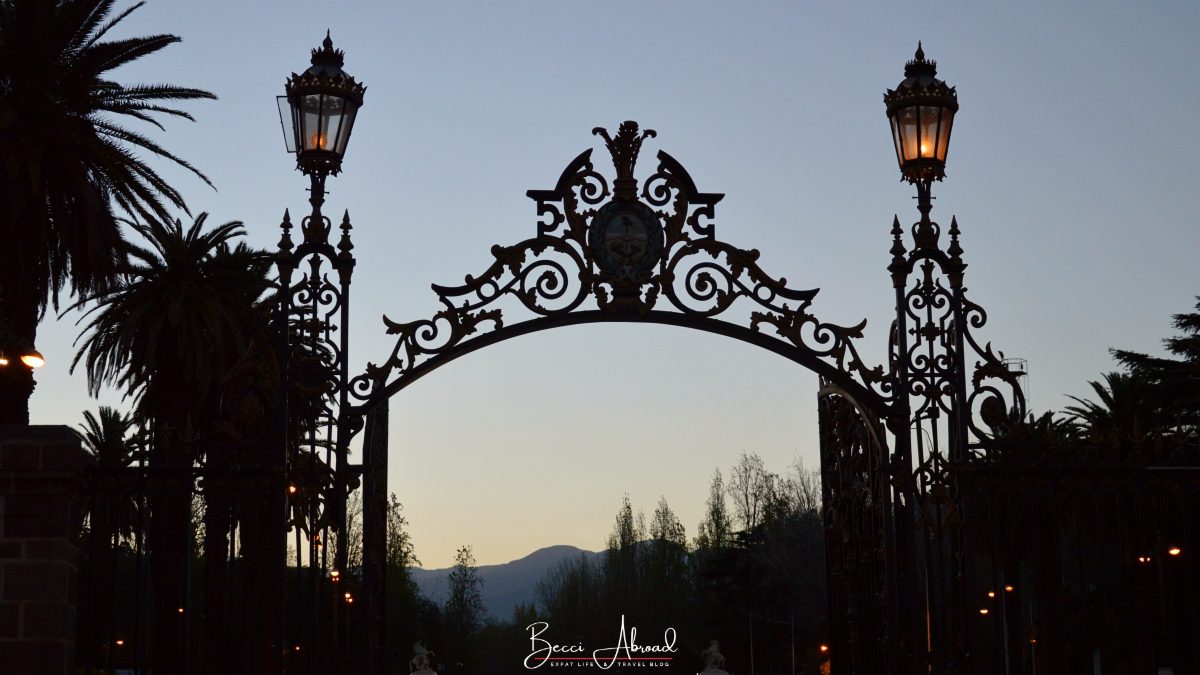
(317, 112)
(932, 427)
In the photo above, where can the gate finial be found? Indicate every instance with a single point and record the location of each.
(624, 148)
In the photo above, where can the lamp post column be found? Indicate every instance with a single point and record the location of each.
(318, 112)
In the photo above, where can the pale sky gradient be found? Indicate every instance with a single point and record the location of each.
(1073, 172)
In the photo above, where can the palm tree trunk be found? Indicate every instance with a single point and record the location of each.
(216, 570)
(20, 310)
(170, 544)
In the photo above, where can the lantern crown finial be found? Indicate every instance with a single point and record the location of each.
(919, 66)
(327, 55)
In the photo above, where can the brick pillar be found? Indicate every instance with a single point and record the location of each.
(42, 493)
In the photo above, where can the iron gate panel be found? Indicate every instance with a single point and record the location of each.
(859, 536)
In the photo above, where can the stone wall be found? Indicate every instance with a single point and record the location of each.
(42, 495)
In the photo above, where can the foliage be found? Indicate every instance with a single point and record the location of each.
(770, 577)
(67, 157)
(716, 530)
(116, 441)
(463, 613)
(183, 311)
(1172, 384)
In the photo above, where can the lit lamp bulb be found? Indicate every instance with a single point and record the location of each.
(318, 141)
(924, 151)
(3, 359)
(33, 359)
(1174, 550)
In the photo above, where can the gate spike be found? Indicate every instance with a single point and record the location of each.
(345, 245)
(897, 245)
(285, 241)
(955, 250)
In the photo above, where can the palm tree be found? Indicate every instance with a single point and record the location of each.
(114, 441)
(68, 169)
(182, 312)
(1121, 420)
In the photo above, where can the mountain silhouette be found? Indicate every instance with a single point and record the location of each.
(506, 585)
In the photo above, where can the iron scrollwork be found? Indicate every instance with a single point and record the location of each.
(632, 254)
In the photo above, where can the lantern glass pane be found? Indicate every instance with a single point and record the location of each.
(944, 133)
(896, 139)
(331, 122)
(310, 123)
(343, 136)
(929, 131)
(287, 122)
(906, 121)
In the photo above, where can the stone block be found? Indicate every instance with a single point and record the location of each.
(30, 656)
(10, 620)
(20, 457)
(46, 620)
(43, 580)
(42, 515)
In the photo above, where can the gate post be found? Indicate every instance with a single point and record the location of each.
(375, 500)
(42, 488)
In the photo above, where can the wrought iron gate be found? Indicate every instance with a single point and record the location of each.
(860, 551)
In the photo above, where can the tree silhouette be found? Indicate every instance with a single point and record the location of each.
(182, 312)
(69, 167)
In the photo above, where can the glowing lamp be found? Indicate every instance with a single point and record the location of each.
(921, 110)
(318, 110)
(1174, 550)
(32, 359)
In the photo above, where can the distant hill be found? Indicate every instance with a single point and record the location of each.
(504, 586)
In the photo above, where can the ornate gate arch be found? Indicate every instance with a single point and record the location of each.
(894, 519)
(653, 259)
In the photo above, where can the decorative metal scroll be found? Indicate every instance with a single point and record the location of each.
(956, 414)
(634, 256)
(939, 323)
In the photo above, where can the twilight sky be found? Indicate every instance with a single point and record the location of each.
(1073, 172)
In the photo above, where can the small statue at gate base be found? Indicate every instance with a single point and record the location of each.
(714, 662)
(420, 660)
